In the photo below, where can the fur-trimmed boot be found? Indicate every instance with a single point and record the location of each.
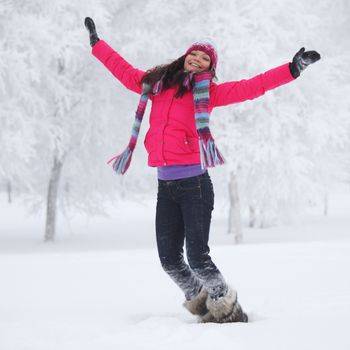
(197, 306)
(225, 309)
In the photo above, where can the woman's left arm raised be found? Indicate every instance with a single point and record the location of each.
(249, 89)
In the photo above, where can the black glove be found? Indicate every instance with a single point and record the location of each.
(90, 26)
(301, 60)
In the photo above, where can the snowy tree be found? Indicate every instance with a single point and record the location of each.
(63, 131)
(69, 131)
(18, 105)
(273, 151)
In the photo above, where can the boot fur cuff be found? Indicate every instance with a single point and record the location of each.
(197, 305)
(223, 306)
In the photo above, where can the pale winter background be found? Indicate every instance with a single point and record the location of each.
(78, 263)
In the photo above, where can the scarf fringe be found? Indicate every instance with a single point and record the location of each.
(209, 153)
(122, 161)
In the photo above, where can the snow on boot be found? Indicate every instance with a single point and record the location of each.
(226, 309)
(197, 305)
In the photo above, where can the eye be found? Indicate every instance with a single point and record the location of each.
(206, 58)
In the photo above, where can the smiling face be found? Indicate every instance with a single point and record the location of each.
(197, 61)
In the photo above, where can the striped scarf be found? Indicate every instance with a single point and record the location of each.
(209, 154)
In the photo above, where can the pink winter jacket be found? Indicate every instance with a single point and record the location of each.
(172, 136)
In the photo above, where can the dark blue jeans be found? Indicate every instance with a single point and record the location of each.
(183, 214)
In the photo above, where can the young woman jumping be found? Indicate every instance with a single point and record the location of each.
(179, 143)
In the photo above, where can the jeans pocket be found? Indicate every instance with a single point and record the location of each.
(190, 183)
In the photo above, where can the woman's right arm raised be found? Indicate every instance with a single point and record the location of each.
(129, 76)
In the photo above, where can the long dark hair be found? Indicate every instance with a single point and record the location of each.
(171, 74)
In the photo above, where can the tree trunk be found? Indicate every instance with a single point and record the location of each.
(9, 191)
(262, 218)
(252, 216)
(325, 204)
(50, 229)
(235, 224)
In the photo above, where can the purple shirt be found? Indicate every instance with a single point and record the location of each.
(175, 172)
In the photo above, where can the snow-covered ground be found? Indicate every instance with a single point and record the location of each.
(100, 285)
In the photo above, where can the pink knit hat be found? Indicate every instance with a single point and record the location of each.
(206, 45)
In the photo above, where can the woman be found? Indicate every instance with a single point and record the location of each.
(180, 145)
